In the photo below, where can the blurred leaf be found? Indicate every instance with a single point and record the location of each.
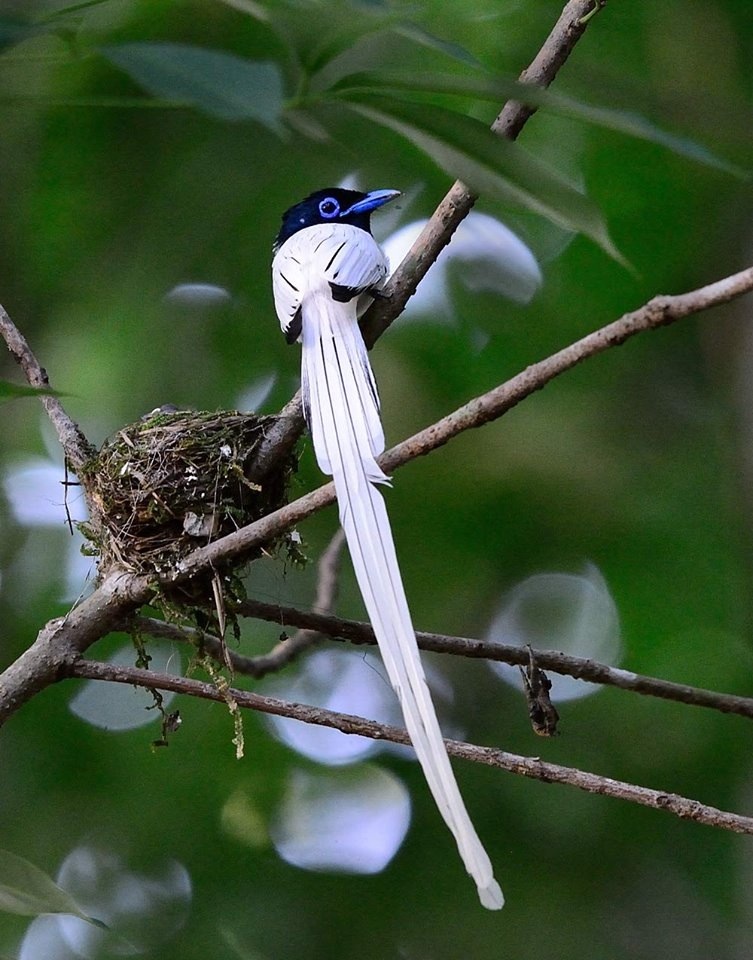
(256, 10)
(71, 8)
(635, 125)
(220, 84)
(28, 891)
(319, 32)
(499, 89)
(399, 44)
(9, 391)
(12, 32)
(336, 37)
(491, 165)
(422, 37)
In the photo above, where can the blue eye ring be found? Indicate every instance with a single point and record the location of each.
(329, 208)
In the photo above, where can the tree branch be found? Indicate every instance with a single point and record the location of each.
(450, 213)
(531, 767)
(354, 631)
(360, 633)
(76, 447)
(459, 201)
(658, 312)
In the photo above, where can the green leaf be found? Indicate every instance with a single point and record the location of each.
(387, 45)
(220, 84)
(70, 8)
(490, 165)
(635, 125)
(12, 32)
(9, 391)
(28, 891)
(256, 10)
(319, 32)
(449, 48)
(498, 89)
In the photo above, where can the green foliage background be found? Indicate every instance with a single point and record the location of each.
(638, 461)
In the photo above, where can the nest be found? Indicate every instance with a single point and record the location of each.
(174, 481)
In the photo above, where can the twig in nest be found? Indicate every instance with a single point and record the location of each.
(219, 606)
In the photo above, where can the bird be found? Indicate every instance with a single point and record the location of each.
(326, 269)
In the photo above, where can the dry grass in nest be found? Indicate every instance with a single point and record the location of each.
(174, 481)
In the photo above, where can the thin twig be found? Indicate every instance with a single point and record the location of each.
(547, 63)
(283, 652)
(355, 631)
(76, 447)
(358, 632)
(288, 650)
(531, 767)
(208, 643)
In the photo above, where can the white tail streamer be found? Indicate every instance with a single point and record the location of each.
(343, 410)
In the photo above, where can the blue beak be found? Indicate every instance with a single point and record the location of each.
(371, 201)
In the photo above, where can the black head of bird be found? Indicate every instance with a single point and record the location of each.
(333, 205)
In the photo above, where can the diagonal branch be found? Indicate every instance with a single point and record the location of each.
(658, 312)
(531, 767)
(450, 213)
(459, 201)
(76, 447)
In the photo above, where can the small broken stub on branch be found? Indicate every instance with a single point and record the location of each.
(174, 481)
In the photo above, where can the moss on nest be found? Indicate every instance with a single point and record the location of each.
(174, 481)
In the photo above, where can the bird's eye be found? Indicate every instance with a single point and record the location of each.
(329, 208)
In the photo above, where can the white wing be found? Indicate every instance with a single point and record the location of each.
(338, 258)
(288, 286)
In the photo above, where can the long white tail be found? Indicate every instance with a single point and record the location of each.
(342, 408)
